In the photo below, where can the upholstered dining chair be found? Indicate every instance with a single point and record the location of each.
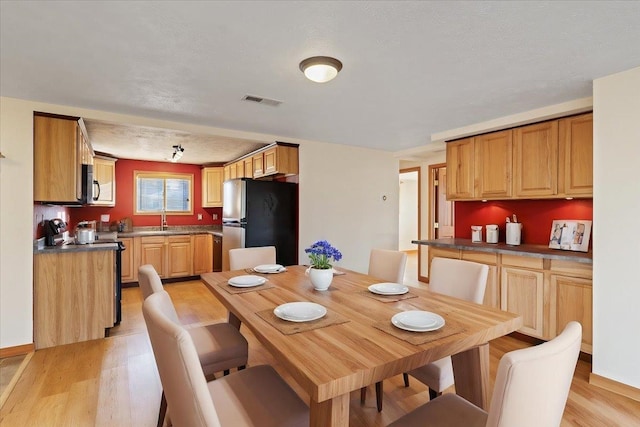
(219, 346)
(257, 396)
(387, 265)
(531, 390)
(242, 258)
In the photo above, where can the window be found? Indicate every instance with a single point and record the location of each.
(157, 191)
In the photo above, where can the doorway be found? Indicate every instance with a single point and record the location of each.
(441, 209)
(409, 222)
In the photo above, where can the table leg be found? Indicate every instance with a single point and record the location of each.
(330, 413)
(471, 374)
(234, 321)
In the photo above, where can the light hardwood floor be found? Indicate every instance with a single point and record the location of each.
(114, 381)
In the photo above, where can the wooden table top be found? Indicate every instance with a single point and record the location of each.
(337, 359)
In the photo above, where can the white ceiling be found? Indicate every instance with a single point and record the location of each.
(411, 69)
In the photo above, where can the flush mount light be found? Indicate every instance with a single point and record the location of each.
(320, 69)
(177, 153)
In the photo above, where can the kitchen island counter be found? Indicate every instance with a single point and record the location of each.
(535, 251)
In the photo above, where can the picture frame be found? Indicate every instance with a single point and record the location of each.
(570, 235)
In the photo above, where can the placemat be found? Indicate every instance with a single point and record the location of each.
(233, 290)
(252, 271)
(290, 328)
(388, 298)
(417, 338)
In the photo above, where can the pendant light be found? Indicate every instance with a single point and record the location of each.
(320, 69)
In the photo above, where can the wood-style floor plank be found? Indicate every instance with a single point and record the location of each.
(114, 381)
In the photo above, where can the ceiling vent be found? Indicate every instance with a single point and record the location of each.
(261, 100)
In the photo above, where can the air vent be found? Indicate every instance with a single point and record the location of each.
(261, 100)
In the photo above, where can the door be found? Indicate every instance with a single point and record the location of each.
(443, 218)
(409, 222)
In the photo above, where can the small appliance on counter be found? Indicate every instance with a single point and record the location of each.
(476, 233)
(514, 233)
(492, 233)
(85, 232)
(54, 232)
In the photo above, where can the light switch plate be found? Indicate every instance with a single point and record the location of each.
(199, 217)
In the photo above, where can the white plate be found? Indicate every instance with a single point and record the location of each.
(388, 289)
(300, 311)
(417, 321)
(269, 268)
(246, 281)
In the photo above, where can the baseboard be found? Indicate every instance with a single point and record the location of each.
(17, 350)
(614, 386)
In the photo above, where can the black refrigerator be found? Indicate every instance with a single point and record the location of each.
(260, 213)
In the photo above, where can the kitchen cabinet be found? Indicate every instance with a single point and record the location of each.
(258, 165)
(104, 171)
(575, 157)
(492, 165)
(227, 172)
(128, 262)
(240, 169)
(202, 253)
(460, 169)
(523, 293)
(212, 179)
(248, 167)
(179, 256)
(276, 160)
(535, 160)
(153, 250)
(73, 296)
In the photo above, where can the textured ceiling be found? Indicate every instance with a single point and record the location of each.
(411, 69)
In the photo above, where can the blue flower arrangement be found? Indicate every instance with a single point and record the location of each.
(321, 253)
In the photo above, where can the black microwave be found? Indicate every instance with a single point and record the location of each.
(90, 186)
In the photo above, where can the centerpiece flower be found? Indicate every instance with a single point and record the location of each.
(321, 253)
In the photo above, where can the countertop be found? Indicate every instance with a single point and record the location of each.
(535, 251)
(98, 246)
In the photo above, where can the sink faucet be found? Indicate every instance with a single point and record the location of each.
(163, 220)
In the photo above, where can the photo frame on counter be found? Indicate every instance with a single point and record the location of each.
(570, 235)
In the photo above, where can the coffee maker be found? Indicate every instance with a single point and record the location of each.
(54, 230)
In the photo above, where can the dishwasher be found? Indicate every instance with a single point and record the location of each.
(217, 253)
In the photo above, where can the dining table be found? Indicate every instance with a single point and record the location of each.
(355, 344)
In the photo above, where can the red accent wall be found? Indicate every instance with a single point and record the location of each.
(536, 216)
(124, 197)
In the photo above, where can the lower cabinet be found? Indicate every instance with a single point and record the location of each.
(547, 293)
(153, 250)
(73, 296)
(129, 273)
(202, 253)
(179, 256)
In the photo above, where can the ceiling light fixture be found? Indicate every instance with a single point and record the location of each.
(320, 69)
(177, 153)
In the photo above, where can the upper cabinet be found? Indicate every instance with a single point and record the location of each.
(275, 159)
(552, 159)
(212, 179)
(59, 151)
(104, 171)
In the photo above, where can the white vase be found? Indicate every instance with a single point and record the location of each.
(320, 278)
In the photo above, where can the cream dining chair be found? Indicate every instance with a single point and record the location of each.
(531, 390)
(257, 396)
(389, 266)
(219, 346)
(242, 258)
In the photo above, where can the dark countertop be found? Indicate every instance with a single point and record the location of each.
(75, 248)
(535, 251)
(172, 231)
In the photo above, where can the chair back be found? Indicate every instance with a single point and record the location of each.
(183, 381)
(387, 265)
(250, 257)
(532, 384)
(460, 279)
(148, 280)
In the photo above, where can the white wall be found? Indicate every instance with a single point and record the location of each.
(408, 214)
(341, 191)
(616, 214)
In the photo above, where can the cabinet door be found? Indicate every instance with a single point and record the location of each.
(179, 256)
(535, 160)
(227, 172)
(523, 293)
(572, 299)
(233, 171)
(248, 167)
(153, 251)
(55, 160)
(240, 169)
(128, 265)
(492, 165)
(258, 165)
(270, 161)
(202, 253)
(492, 291)
(460, 169)
(212, 187)
(104, 171)
(575, 162)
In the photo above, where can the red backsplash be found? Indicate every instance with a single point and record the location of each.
(124, 198)
(44, 212)
(536, 216)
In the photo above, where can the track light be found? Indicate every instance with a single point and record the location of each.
(177, 153)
